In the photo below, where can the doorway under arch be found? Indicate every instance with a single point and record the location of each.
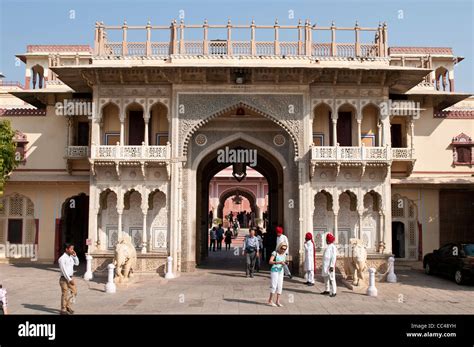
(75, 224)
(233, 192)
(398, 239)
(267, 165)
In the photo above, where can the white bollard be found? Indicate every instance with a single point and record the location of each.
(372, 291)
(88, 275)
(110, 287)
(169, 269)
(391, 277)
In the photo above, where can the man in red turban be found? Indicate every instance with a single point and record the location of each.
(282, 238)
(309, 259)
(328, 268)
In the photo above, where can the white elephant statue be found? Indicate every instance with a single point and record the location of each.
(356, 263)
(125, 259)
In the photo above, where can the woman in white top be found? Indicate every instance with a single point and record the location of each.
(277, 261)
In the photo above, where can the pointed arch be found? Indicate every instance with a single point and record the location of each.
(241, 104)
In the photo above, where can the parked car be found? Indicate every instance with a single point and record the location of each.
(455, 260)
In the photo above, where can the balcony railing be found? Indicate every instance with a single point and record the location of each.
(363, 153)
(77, 152)
(148, 153)
(403, 154)
(302, 43)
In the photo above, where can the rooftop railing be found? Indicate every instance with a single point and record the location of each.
(305, 43)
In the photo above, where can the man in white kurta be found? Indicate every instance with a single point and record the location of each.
(329, 267)
(309, 261)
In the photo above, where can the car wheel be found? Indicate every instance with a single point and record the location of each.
(428, 269)
(458, 277)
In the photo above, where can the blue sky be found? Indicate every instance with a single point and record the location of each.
(410, 22)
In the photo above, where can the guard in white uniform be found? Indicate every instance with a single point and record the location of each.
(329, 267)
(309, 259)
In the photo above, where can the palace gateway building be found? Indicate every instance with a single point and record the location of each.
(321, 129)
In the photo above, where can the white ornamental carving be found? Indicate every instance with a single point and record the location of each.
(279, 140)
(200, 140)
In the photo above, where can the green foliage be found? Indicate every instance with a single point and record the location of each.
(8, 161)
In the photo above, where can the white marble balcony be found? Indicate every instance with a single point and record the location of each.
(343, 154)
(130, 153)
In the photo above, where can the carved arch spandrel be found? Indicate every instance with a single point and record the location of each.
(195, 110)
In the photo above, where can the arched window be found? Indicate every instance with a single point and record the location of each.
(462, 150)
(17, 220)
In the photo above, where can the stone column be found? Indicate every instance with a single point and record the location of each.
(94, 236)
(387, 214)
(122, 133)
(146, 133)
(28, 78)
(334, 130)
(381, 227)
(451, 80)
(122, 117)
(379, 134)
(144, 230)
(96, 137)
(359, 132)
(335, 209)
(70, 131)
(335, 233)
(412, 133)
(119, 225)
(101, 237)
(387, 138)
(93, 215)
(146, 119)
(359, 234)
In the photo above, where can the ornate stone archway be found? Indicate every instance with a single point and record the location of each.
(195, 110)
(230, 192)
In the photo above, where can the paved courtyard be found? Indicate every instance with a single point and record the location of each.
(220, 286)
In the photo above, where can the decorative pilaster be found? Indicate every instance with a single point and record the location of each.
(335, 210)
(144, 230)
(119, 227)
(120, 207)
(380, 231)
(359, 232)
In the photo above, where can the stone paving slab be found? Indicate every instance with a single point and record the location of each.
(35, 290)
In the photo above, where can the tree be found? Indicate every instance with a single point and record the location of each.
(8, 160)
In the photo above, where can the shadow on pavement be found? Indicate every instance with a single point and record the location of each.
(242, 301)
(41, 308)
